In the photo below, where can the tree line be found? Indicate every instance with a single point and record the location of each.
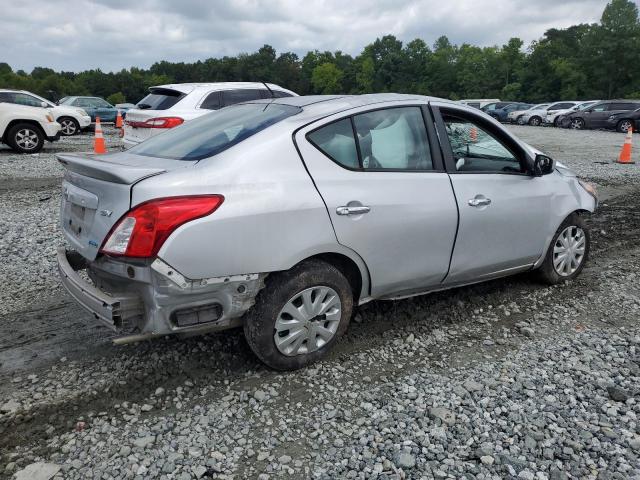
(586, 61)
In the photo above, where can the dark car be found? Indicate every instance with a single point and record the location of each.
(493, 106)
(622, 121)
(502, 114)
(597, 116)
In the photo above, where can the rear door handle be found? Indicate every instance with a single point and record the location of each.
(479, 202)
(352, 210)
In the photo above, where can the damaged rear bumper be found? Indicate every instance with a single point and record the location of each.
(153, 298)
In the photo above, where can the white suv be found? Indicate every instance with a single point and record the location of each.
(25, 128)
(167, 106)
(72, 119)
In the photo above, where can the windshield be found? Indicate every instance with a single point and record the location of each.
(160, 99)
(584, 105)
(214, 132)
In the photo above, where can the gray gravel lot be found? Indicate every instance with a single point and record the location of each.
(508, 379)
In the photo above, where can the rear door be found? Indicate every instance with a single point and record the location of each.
(382, 179)
(596, 116)
(505, 214)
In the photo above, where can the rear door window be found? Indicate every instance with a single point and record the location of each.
(160, 99)
(212, 101)
(231, 97)
(389, 139)
(622, 106)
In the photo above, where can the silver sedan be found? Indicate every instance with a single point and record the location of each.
(283, 215)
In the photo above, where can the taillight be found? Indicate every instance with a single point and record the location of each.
(142, 231)
(159, 122)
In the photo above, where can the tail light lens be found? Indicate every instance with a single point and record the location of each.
(142, 231)
(159, 122)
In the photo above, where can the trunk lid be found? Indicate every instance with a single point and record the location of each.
(97, 192)
(136, 117)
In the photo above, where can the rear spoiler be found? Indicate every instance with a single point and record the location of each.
(103, 169)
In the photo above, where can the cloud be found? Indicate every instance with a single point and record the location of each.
(113, 34)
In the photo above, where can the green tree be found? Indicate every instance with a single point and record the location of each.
(327, 78)
(117, 97)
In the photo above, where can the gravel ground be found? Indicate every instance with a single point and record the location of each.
(507, 379)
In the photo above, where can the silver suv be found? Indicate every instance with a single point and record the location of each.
(282, 215)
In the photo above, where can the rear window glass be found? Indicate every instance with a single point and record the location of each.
(231, 97)
(336, 140)
(160, 99)
(214, 132)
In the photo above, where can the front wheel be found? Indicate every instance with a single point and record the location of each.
(577, 124)
(535, 121)
(69, 126)
(299, 315)
(624, 126)
(568, 251)
(520, 120)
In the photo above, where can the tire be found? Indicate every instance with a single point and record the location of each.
(535, 121)
(520, 120)
(25, 138)
(571, 227)
(70, 126)
(556, 122)
(624, 125)
(267, 319)
(576, 124)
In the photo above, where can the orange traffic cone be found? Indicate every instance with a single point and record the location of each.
(118, 120)
(473, 134)
(98, 141)
(625, 153)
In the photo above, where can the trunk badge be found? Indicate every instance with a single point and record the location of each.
(106, 213)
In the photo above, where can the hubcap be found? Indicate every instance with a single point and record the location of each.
(577, 124)
(625, 126)
(568, 251)
(27, 139)
(68, 127)
(308, 321)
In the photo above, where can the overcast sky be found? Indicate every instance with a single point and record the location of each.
(112, 34)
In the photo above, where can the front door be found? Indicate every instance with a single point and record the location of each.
(386, 193)
(504, 212)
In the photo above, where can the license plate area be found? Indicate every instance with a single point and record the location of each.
(78, 211)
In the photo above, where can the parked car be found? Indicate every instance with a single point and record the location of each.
(489, 107)
(168, 106)
(597, 116)
(282, 215)
(534, 117)
(554, 118)
(94, 106)
(622, 121)
(71, 119)
(24, 129)
(517, 116)
(479, 103)
(502, 114)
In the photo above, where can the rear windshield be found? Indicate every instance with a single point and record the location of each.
(160, 99)
(214, 132)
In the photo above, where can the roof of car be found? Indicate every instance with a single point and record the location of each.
(190, 87)
(318, 106)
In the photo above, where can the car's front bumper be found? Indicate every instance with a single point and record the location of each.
(84, 121)
(51, 130)
(153, 298)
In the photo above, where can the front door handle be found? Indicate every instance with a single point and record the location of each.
(352, 210)
(479, 202)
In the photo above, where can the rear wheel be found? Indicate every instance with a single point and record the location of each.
(299, 315)
(25, 138)
(520, 120)
(624, 125)
(535, 121)
(577, 124)
(568, 251)
(69, 126)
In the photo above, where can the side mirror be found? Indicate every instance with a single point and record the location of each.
(542, 165)
(44, 104)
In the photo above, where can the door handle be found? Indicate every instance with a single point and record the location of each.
(479, 202)
(352, 210)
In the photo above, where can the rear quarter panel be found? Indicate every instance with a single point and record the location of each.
(272, 216)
